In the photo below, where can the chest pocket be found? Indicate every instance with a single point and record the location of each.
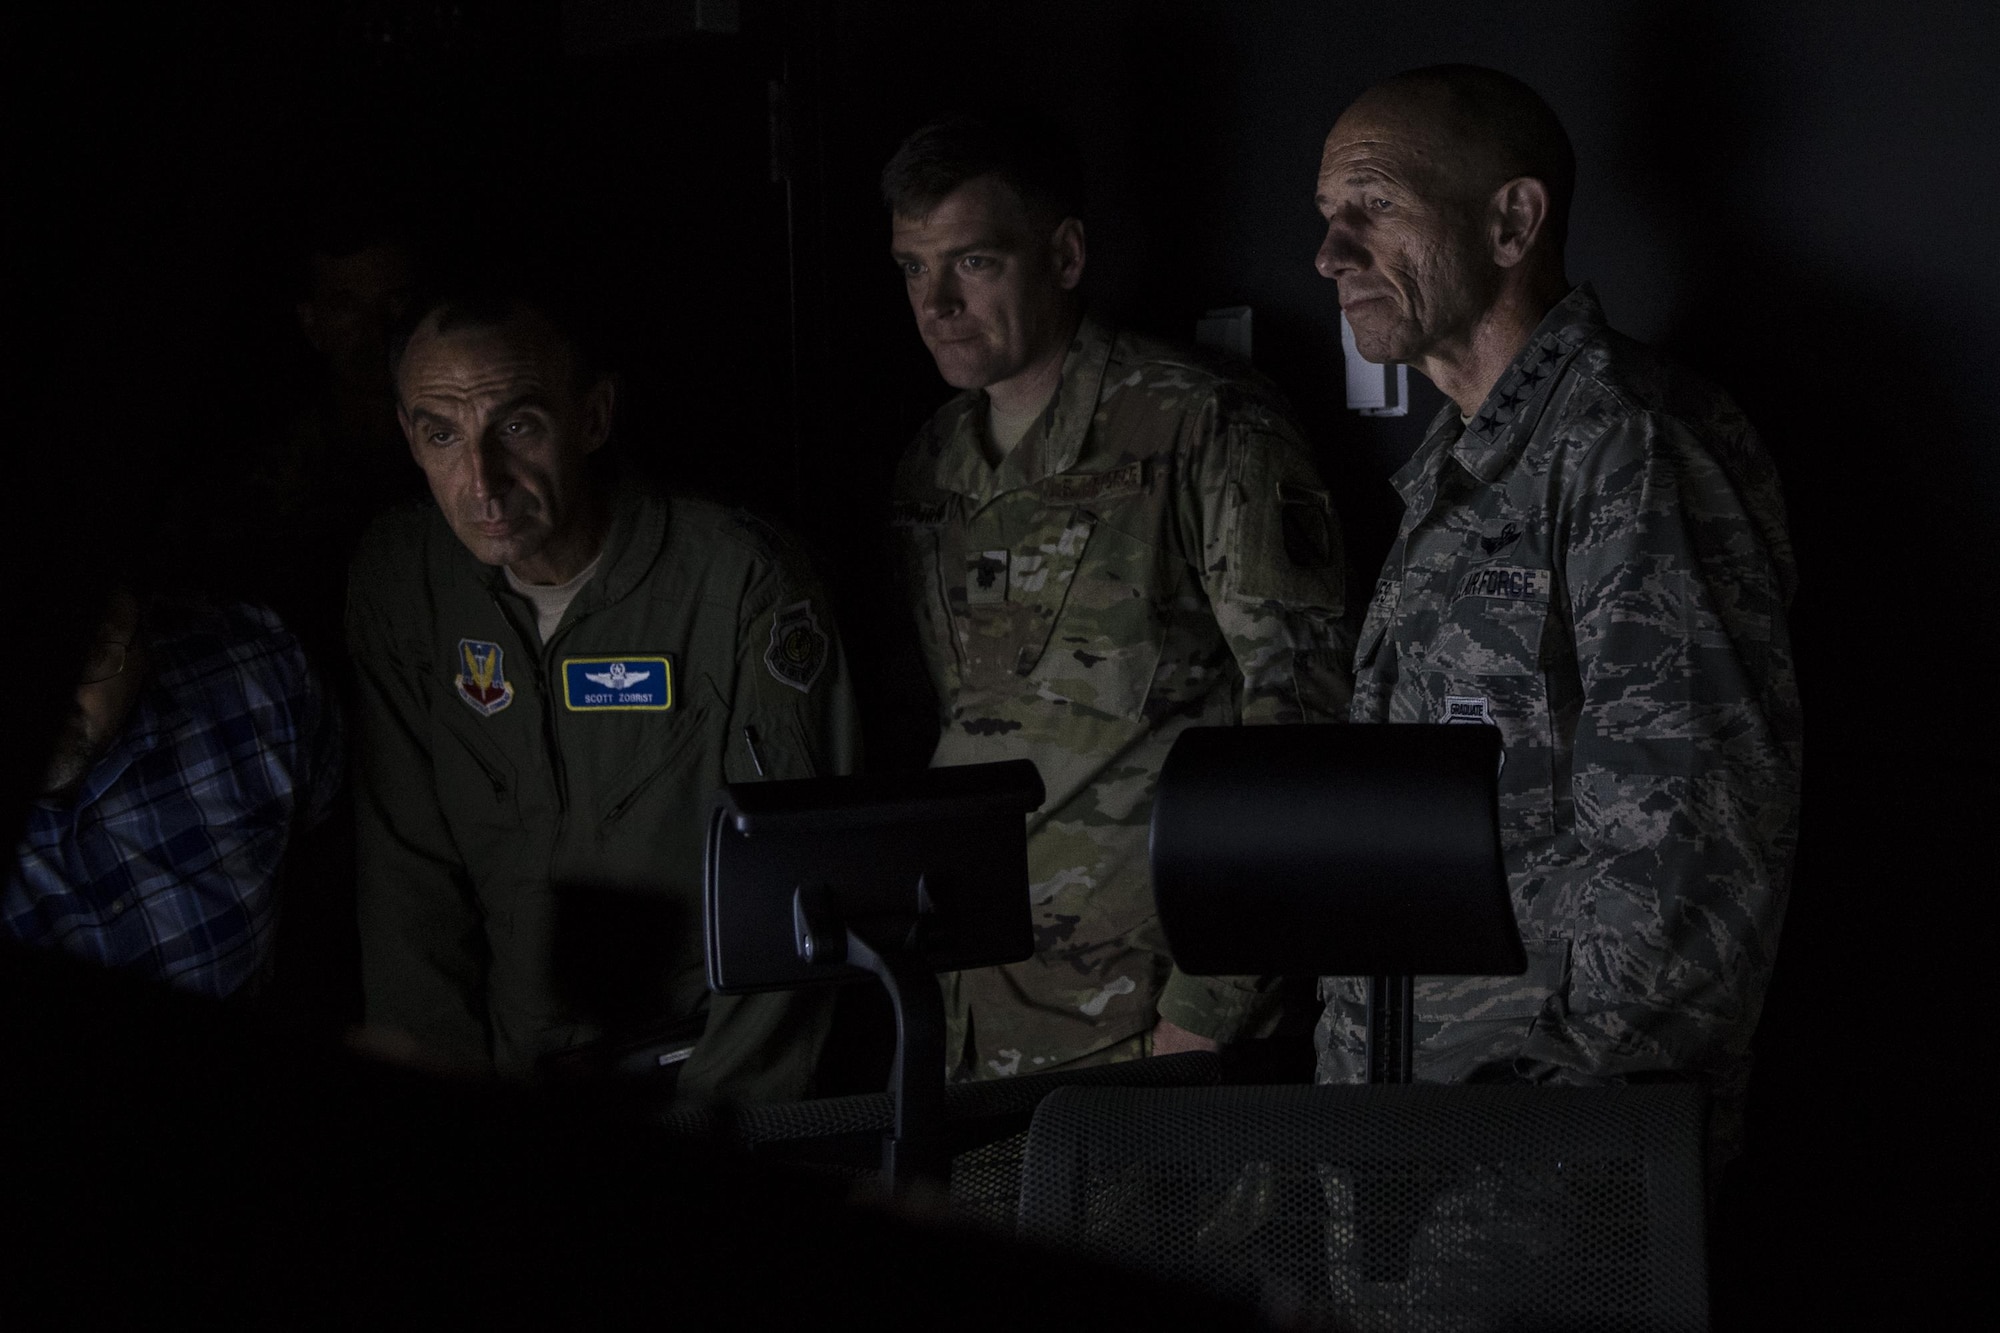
(478, 787)
(657, 776)
(926, 556)
(1005, 601)
(1104, 649)
(1485, 665)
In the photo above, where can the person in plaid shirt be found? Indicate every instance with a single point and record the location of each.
(200, 741)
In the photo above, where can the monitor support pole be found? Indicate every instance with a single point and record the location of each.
(1391, 1031)
(916, 1081)
(889, 947)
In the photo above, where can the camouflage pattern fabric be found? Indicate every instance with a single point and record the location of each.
(1598, 566)
(1156, 553)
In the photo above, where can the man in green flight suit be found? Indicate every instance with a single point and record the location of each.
(555, 673)
(1107, 540)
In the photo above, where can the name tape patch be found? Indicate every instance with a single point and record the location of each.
(1070, 488)
(618, 684)
(1512, 581)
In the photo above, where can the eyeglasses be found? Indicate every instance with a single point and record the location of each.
(105, 660)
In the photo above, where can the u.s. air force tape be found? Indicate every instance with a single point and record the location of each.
(1531, 585)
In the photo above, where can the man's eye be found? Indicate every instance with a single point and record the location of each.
(1378, 204)
(441, 437)
(976, 263)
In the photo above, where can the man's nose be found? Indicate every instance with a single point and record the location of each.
(1341, 252)
(490, 476)
(941, 296)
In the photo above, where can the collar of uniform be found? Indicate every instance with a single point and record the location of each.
(1414, 478)
(1052, 445)
(631, 543)
(1501, 426)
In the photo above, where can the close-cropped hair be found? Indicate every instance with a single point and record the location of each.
(1516, 131)
(491, 298)
(1026, 153)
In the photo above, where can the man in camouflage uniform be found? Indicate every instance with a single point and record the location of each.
(1107, 540)
(1593, 559)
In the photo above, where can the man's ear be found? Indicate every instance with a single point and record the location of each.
(1515, 216)
(600, 402)
(1066, 253)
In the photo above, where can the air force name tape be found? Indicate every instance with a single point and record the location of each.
(482, 680)
(618, 684)
(799, 647)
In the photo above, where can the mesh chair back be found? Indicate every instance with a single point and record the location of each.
(986, 1124)
(1404, 1207)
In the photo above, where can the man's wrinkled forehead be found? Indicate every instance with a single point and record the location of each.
(1414, 133)
(524, 347)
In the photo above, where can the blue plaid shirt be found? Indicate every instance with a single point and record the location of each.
(164, 859)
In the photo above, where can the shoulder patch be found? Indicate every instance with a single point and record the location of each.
(799, 647)
(1305, 515)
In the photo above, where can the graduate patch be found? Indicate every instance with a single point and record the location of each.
(799, 647)
(482, 681)
(618, 684)
(1469, 711)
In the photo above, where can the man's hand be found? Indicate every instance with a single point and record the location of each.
(1172, 1039)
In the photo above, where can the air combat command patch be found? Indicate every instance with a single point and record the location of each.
(798, 646)
(483, 684)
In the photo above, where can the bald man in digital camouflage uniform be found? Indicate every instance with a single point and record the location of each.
(1593, 558)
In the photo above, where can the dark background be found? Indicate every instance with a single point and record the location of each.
(1799, 198)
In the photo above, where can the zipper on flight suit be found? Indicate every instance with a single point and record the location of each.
(550, 741)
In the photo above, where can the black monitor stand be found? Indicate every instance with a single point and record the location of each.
(898, 877)
(889, 948)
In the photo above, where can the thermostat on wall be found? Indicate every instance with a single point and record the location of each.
(1372, 390)
(1226, 330)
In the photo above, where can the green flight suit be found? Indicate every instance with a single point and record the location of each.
(1157, 552)
(531, 814)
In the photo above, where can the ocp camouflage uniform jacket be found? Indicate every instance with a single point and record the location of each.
(1598, 566)
(1157, 552)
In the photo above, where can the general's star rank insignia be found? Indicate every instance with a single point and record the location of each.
(483, 683)
(798, 647)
